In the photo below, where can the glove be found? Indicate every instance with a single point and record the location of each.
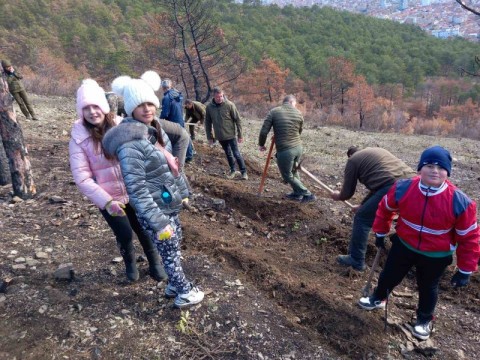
(460, 279)
(380, 242)
(165, 234)
(115, 208)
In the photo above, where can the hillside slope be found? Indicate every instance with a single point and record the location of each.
(267, 265)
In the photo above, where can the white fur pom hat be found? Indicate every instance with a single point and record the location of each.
(90, 93)
(137, 91)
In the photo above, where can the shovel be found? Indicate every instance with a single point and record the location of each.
(265, 170)
(366, 289)
(324, 186)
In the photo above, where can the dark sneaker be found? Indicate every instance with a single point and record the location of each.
(308, 198)
(423, 330)
(370, 303)
(194, 296)
(170, 291)
(293, 196)
(346, 260)
(35, 118)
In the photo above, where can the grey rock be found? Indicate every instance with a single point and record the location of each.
(65, 272)
(218, 204)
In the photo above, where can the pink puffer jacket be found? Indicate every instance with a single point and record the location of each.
(98, 178)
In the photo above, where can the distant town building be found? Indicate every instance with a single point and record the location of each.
(403, 5)
(445, 33)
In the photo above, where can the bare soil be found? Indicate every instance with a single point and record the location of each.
(267, 265)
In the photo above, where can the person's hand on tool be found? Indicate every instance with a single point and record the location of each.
(355, 208)
(262, 148)
(240, 140)
(335, 195)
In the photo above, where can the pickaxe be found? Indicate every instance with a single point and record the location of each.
(265, 170)
(314, 178)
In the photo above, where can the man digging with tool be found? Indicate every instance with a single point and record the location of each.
(377, 169)
(287, 123)
(435, 219)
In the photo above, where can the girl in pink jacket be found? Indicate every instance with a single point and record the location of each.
(99, 178)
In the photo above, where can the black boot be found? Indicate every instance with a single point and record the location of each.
(155, 265)
(128, 253)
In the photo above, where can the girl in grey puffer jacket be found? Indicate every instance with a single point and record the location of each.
(152, 179)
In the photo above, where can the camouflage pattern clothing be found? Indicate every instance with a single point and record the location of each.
(18, 92)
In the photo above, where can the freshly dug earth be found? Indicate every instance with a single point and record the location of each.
(267, 265)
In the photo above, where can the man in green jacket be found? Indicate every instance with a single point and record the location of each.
(17, 90)
(287, 123)
(223, 116)
(377, 169)
(194, 113)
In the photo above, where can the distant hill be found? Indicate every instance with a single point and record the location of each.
(440, 18)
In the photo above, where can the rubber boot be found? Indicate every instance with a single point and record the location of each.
(128, 253)
(155, 265)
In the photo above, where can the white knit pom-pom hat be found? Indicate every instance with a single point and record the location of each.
(137, 91)
(90, 93)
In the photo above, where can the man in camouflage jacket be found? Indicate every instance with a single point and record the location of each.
(17, 90)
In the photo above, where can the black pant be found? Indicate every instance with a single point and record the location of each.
(231, 150)
(429, 271)
(123, 227)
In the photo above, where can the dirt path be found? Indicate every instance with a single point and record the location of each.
(267, 265)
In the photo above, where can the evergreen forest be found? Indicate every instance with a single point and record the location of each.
(306, 50)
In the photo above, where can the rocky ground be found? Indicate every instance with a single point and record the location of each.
(267, 265)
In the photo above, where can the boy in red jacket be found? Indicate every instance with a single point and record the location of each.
(435, 219)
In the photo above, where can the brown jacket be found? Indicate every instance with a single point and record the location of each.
(374, 168)
(196, 113)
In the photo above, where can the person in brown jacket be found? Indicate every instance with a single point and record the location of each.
(17, 90)
(194, 113)
(377, 169)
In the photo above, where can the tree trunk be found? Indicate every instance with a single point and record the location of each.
(4, 172)
(14, 145)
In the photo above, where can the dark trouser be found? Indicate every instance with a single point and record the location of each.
(231, 150)
(189, 154)
(122, 227)
(429, 271)
(362, 224)
(286, 162)
(22, 100)
(191, 128)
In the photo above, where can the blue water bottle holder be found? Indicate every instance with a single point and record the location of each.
(166, 195)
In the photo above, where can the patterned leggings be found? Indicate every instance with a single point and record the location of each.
(169, 250)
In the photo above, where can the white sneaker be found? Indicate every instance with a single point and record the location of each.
(422, 331)
(370, 303)
(170, 291)
(194, 296)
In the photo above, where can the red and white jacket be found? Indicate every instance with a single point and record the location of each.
(439, 221)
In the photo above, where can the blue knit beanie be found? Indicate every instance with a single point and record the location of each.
(436, 155)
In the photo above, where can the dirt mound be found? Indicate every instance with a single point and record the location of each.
(267, 265)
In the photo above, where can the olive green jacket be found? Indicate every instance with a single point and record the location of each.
(225, 119)
(287, 124)
(196, 113)
(14, 83)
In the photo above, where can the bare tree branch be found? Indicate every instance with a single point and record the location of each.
(468, 8)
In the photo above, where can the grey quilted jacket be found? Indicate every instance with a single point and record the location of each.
(145, 172)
